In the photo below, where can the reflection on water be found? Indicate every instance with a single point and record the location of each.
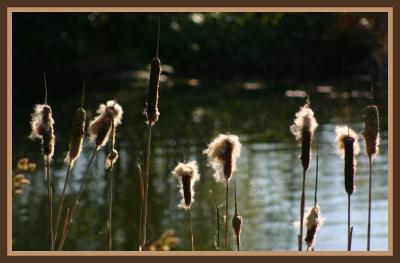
(268, 177)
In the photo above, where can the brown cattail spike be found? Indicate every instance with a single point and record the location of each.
(313, 223)
(371, 132)
(237, 222)
(152, 97)
(152, 112)
(42, 128)
(348, 149)
(100, 128)
(223, 153)
(303, 129)
(78, 132)
(187, 175)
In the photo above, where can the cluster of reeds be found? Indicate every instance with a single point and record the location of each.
(303, 129)
(347, 147)
(100, 129)
(222, 154)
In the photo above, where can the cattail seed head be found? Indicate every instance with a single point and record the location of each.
(237, 223)
(112, 157)
(303, 129)
(312, 223)
(222, 154)
(348, 148)
(78, 132)
(152, 97)
(187, 174)
(371, 132)
(100, 127)
(42, 124)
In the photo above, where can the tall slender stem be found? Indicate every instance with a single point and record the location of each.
(316, 180)
(50, 202)
(60, 207)
(302, 201)
(369, 205)
(72, 210)
(146, 188)
(348, 224)
(190, 230)
(217, 215)
(226, 215)
(110, 188)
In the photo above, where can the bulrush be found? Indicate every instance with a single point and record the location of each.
(152, 114)
(371, 132)
(187, 175)
(75, 149)
(100, 130)
(78, 132)
(372, 140)
(222, 154)
(347, 147)
(152, 97)
(303, 129)
(237, 223)
(42, 123)
(312, 223)
(100, 127)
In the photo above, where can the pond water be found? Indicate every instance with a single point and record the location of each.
(268, 177)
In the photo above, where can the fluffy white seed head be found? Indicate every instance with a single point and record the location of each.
(343, 132)
(223, 150)
(189, 172)
(304, 120)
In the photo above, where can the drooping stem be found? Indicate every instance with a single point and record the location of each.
(226, 215)
(146, 188)
(190, 230)
(60, 207)
(50, 202)
(217, 216)
(75, 204)
(302, 203)
(369, 205)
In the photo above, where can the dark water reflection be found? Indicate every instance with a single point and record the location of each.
(268, 176)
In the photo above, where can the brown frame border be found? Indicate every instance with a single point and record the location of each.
(391, 7)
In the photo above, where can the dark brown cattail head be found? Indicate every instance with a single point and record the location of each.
(42, 128)
(237, 222)
(78, 133)
(112, 157)
(222, 154)
(152, 97)
(313, 223)
(303, 129)
(371, 132)
(187, 174)
(348, 149)
(101, 127)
